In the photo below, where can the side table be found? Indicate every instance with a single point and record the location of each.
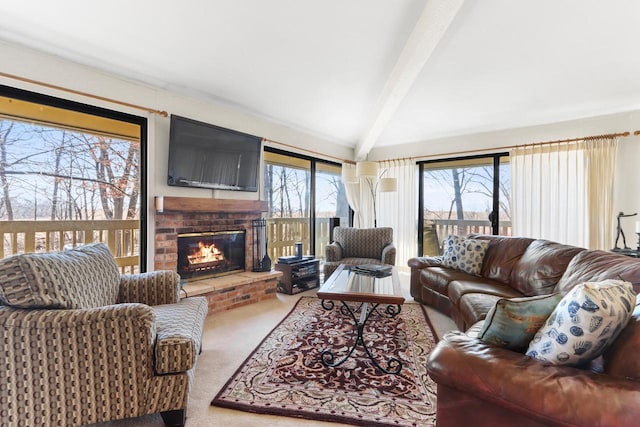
(298, 276)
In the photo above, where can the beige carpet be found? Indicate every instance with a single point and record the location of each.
(229, 338)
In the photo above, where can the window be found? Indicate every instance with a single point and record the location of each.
(462, 196)
(302, 193)
(330, 202)
(70, 174)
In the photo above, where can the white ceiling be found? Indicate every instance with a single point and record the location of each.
(363, 73)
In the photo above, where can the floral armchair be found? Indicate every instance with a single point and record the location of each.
(83, 344)
(357, 246)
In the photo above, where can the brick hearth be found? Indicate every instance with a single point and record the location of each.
(189, 215)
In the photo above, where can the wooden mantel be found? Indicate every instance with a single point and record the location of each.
(202, 205)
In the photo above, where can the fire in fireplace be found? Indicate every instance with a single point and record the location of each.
(210, 254)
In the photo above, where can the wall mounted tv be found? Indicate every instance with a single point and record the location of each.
(207, 156)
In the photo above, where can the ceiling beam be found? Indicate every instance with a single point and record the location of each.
(433, 23)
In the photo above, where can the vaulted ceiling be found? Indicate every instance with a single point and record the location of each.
(363, 73)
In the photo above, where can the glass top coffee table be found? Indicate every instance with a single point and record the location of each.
(370, 290)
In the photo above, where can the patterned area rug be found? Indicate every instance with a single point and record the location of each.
(285, 376)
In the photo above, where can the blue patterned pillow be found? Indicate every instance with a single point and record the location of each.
(584, 323)
(464, 254)
(512, 322)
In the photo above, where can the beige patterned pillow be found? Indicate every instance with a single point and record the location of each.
(464, 254)
(83, 277)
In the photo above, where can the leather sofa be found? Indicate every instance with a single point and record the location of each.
(512, 267)
(484, 385)
(84, 344)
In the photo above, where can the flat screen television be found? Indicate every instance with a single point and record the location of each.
(207, 156)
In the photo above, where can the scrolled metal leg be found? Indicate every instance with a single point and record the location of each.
(393, 310)
(327, 304)
(390, 311)
(327, 356)
(394, 365)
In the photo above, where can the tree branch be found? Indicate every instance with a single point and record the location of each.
(55, 175)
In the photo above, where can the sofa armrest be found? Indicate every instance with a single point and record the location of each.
(55, 354)
(551, 394)
(424, 262)
(150, 288)
(333, 252)
(389, 254)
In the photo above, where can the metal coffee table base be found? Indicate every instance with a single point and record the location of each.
(328, 358)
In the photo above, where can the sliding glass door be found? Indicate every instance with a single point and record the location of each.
(463, 196)
(303, 194)
(71, 174)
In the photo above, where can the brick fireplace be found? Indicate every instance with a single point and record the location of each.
(186, 216)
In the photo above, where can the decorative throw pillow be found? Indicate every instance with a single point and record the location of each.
(464, 254)
(83, 277)
(512, 322)
(584, 323)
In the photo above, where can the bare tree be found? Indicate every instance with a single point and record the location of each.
(5, 131)
(458, 183)
(483, 178)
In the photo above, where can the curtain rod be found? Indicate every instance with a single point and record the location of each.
(506, 147)
(455, 153)
(316, 153)
(89, 95)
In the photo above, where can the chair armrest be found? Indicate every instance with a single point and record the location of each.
(150, 288)
(55, 354)
(424, 262)
(389, 254)
(552, 394)
(333, 252)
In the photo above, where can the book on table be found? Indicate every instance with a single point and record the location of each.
(372, 268)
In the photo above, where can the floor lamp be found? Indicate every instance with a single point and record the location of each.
(367, 171)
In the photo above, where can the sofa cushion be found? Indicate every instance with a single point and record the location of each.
(541, 267)
(473, 308)
(502, 255)
(594, 266)
(473, 285)
(584, 323)
(179, 334)
(512, 322)
(616, 358)
(464, 254)
(438, 278)
(84, 277)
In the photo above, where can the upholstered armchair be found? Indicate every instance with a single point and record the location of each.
(357, 246)
(82, 344)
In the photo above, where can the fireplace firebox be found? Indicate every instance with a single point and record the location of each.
(211, 254)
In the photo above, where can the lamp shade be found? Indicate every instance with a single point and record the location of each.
(349, 174)
(367, 169)
(388, 185)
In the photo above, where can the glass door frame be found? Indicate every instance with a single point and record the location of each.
(494, 218)
(312, 191)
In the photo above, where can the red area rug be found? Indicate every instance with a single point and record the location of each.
(285, 376)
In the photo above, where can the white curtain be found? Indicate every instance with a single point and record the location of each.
(352, 192)
(600, 163)
(563, 192)
(399, 209)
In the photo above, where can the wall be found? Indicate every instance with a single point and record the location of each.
(46, 68)
(52, 70)
(627, 183)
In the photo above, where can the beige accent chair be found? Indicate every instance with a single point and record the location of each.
(357, 246)
(83, 344)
